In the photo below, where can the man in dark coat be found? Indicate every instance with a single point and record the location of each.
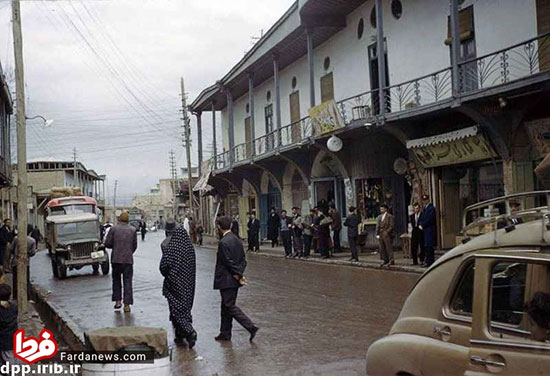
(253, 233)
(143, 229)
(428, 224)
(178, 267)
(417, 235)
(273, 223)
(336, 228)
(228, 278)
(6, 238)
(235, 226)
(352, 223)
(8, 325)
(122, 239)
(323, 231)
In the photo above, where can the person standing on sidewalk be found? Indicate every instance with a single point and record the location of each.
(297, 231)
(253, 233)
(352, 223)
(308, 232)
(178, 267)
(323, 231)
(336, 227)
(285, 230)
(428, 223)
(6, 239)
(122, 239)
(417, 235)
(31, 251)
(384, 234)
(235, 226)
(228, 278)
(143, 229)
(273, 223)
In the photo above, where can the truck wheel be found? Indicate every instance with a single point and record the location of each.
(61, 268)
(54, 268)
(105, 266)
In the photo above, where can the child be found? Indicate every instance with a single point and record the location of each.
(8, 325)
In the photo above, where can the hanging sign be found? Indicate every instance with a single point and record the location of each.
(326, 117)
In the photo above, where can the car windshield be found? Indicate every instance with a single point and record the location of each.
(72, 209)
(67, 232)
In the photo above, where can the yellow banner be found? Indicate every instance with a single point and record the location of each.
(326, 117)
(464, 150)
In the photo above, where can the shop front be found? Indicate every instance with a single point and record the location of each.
(464, 169)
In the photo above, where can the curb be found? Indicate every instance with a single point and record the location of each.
(48, 312)
(364, 265)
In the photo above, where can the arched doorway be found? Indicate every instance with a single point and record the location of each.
(328, 180)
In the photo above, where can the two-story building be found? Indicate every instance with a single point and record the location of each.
(439, 97)
(6, 109)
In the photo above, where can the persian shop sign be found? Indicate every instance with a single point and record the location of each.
(453, 148)
(326, 117)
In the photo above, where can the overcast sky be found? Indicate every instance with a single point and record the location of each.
(108, 73)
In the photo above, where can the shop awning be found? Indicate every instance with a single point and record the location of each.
(460, 146)
(202, 184)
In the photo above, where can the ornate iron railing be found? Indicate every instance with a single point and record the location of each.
(512, 63)
(420, 91)
(359, 107)
(222, 160)
(296, 132)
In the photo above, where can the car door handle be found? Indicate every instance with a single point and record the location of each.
(486, 362)
(442, 331)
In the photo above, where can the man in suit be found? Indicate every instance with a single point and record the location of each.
(228, 278)
(336, 227)
(417, 235)
(428, 224)
(384, 234)
(352, 223)
(253, 233)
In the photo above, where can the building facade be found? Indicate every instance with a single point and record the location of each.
(6, 109)
(450, 105)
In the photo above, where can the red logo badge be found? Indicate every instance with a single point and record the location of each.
(31, 350)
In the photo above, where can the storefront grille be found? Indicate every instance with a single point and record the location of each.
(82, 250)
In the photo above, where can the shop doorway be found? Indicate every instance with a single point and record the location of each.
(449, 208)
(268, 200)
(330, 191)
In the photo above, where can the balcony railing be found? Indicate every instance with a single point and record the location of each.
(519, 61)
(513, 63)
(421, 91)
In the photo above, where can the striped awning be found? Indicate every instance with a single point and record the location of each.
(443, 138)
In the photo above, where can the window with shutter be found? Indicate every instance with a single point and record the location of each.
(543, 27)
(465, 25)
(327, 87)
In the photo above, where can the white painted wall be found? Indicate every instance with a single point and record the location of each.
(415, 45)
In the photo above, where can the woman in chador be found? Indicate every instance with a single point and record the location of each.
(178, 266)
(273, 224)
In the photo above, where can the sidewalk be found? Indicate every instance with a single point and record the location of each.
(366, 260)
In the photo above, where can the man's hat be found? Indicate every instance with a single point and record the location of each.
(124, 217)
(425, 197)
(352, 208)
(170, 225)
(295, 208)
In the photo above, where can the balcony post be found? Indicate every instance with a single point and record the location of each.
(198, 114)
(455, 47)
(311, 67)
(381, 54)
(277, 99)
(252, 120)
(230, 129)
(214, 152)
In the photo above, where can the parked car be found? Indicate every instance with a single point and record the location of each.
(74, 242)
(465, 315)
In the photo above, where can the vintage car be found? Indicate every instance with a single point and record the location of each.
(74, 242)
(465, 315)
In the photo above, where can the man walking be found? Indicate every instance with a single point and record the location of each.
(384, 234)
(417, 235)
(122, 239)
(336, 227)
(427, 223)
(142, 229)
(284, 229)
(308, 231)
(352, 223)
(6, 238)
(253, 233)
(297, 231)
(228, 278)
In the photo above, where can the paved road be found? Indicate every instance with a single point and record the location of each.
(314, 319)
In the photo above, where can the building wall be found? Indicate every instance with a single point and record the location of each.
(415, 47)
(45, 180)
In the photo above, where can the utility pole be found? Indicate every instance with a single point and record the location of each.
(187, 144)
(75, 171)
(22, 259)
(114, 203)
(174, 177)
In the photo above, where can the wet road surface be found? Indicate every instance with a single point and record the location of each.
(314, 319)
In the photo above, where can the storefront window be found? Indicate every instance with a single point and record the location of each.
(482, 182)
(371, 193)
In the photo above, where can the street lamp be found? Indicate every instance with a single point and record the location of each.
(47, 122)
